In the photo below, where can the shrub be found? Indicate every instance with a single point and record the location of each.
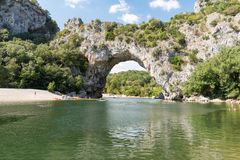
(214, 23)
(232, 10)
(110, 27)
(4, 35)
(176, 62)
(163, 36)
(51, 87)
(194, 18)
(178, 36)
(109, 36)
(74, 40)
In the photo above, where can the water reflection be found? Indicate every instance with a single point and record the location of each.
(11, 119)
(121, 129)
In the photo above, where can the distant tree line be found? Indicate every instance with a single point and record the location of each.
(132, 83)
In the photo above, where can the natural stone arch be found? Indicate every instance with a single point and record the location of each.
(103, 54)
(96, 75)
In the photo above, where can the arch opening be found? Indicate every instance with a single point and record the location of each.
(126, 66)
(129, 79)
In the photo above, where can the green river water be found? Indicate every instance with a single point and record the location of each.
(119, 129)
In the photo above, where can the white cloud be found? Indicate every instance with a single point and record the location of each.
(129, 18)
(124, 8)
(121, 7)
(165, 4)
(75, 3)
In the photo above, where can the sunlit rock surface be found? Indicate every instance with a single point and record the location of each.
(26, 16)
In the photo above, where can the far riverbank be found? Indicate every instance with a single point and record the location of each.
(193, 99)
(32, 95)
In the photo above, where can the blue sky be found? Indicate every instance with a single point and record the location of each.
(123, 11)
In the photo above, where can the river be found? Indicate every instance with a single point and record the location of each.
(119, 129)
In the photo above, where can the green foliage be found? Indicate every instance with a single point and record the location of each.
(109, 27)
(232, 10)
(176, 62)
(74, 40)
(62, 33)
(217, 78)
(26, 65)
(178, 36)
(51, 26)
(35, 2)
(78, 82)
(51, 87)
(214, 23)
(147, 34)
(230, 7)
(154, 24)
(4, 35)
(110, 36)
(132, 83)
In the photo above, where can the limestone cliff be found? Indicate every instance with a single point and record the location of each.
(26, 16)
(204, 36)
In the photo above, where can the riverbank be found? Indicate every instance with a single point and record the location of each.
(26, 95)
(202, 99)
(31, 95)
(192, 99)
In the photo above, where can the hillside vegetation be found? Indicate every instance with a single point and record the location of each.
(24, 64)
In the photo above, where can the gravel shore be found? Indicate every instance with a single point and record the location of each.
(26, 95)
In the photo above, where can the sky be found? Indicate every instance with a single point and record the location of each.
(122, 11)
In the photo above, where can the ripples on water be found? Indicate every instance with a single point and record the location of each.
(119, 129)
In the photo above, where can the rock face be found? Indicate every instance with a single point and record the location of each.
(104, 55)
(25, 16)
